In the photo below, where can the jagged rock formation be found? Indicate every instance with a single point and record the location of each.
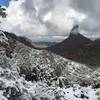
(75, 30)
(31, 74)
(79, 48)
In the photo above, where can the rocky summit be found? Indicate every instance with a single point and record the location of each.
(79, 48)
(30, 74)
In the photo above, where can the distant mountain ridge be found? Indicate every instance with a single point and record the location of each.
(78, 48)
(11, 38)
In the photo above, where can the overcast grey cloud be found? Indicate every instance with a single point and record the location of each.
(91, 8)
(52, 17)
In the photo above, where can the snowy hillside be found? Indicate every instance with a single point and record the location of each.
(30, 74)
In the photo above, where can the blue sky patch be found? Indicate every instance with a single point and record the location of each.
(4, 2)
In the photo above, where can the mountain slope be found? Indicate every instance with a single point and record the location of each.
(78, 48)
(32, 74)
(12, 38)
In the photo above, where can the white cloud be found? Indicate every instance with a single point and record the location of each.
(41, 17)
(91, 8)
(48, 38)
(22, 23)
(67, 18)
(47, 16)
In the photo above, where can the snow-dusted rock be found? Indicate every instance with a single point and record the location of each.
(15, 87)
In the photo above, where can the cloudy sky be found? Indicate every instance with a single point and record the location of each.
(51, 19)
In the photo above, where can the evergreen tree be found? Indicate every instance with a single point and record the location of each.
(2, 12)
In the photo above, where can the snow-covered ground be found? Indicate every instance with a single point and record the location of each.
(15, 87)
(41, 75)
